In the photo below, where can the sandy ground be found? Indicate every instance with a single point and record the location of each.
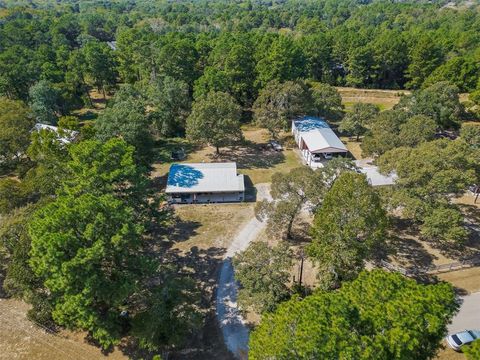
(21, 339)
(234, 329)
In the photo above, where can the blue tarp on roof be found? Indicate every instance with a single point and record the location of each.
(309, 123)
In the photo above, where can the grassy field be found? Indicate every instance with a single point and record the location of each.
(384, 99)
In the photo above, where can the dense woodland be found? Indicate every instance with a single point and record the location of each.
(82, 225)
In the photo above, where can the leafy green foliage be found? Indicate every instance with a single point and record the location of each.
(126, 118)
(263, 273)
(383, 133)
(470, 132)
(86, 249)
(279, 103)
(11, 195)
(379, 315)
(327, 102)
(472, 351)
(439, 101)
(16, 124)
(99, 65)
(416, 130)
(20, 281)
(428, 176)
(170, 314)
(282, 61)
(230, 69)
(43, 102)
(356, 121)
(425, 56)
(347, 229)
(170, 102)
(215, 119)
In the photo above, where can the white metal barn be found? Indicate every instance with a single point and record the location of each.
(316, 140)
(205, 183)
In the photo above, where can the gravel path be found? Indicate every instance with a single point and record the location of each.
(234, 330)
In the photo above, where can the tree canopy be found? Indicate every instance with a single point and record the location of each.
(215, 120)
(347, 229)
(379, 315)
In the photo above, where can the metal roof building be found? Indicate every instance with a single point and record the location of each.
(205, 183)
(314, 137)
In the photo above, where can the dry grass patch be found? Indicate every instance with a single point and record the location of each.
(353, 146)
(209, 225)
(449, 354)
(466, 279)
(21, 339)
(385, 99)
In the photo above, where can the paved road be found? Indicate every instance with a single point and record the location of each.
(234, 330)
(469, 314)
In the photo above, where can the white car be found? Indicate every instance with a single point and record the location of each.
(328, 156)
(276, 145)
(456, 341)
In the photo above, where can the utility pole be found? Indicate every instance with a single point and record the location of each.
(302, 257)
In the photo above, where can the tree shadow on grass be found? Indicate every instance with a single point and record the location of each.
(250, 156)
(165, 147)
(183, 230)
(403, 245)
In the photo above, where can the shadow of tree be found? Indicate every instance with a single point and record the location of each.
(409, 252)
(252, 156)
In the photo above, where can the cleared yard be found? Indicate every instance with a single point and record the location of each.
(254, 158)
(209, 225)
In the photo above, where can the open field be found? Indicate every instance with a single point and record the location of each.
(385, 99)
(254, 158)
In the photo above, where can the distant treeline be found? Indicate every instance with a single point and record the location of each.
(235, 47)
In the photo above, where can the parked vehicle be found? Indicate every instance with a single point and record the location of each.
(178, 154)
(328, 156)
(276, 145)
(316, 158)
(456, 341)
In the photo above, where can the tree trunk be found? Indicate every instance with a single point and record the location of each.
(358, 137)
(217, 149)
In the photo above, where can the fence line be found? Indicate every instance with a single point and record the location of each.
(433, 269)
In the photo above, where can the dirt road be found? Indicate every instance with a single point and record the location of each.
(234, 330)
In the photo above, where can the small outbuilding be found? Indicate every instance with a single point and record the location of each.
(190, 183)
(316, 140)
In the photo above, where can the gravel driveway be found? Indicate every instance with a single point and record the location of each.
(234, 330)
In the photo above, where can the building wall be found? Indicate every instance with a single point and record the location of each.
(206, 198)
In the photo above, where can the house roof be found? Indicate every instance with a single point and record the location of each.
(204, 177)
(66, 137)
(318, 136)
